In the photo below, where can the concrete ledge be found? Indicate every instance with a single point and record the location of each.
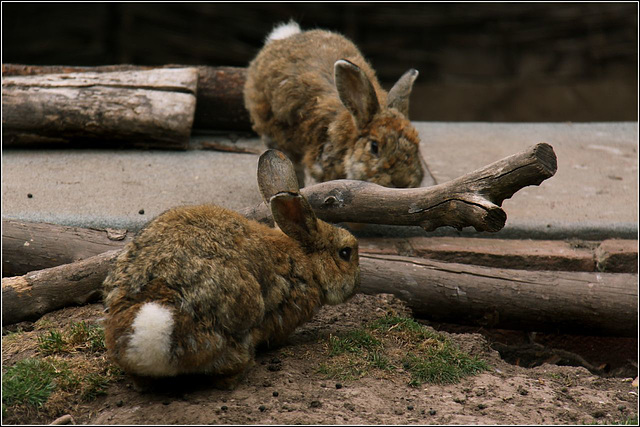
(593, 196)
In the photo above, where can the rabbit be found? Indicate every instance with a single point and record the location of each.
(200, 287)
(313, 96)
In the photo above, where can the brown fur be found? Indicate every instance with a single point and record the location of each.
(231, 283)
(291, 94)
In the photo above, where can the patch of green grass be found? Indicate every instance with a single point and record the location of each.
(51, 343)
(631, 421)
(352, 355)
(427, 355)
(87, 335)
(345, 370)
(355, 341)
(71, 367)
(78, 336)
(405, 325)
(31, 381)
(380, 361)
(96, 386)
(446, 365)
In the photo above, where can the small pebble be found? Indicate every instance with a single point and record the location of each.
(165, 402)
(275, 360)
(262, 408)
(315, 404)
(274, 368)
(338, 386)
(432, 411)
(410, 407)
(224, 407)
(482, 406)
(141, 211)
(30, 196)
(275, 394)
(119, 403)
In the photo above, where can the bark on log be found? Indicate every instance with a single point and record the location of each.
(473, 199)
(542, 301)
(588, 303)
(219, 101)
(34, 294)
(147, 108)
(35, 246)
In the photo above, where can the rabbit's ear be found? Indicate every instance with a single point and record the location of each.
(356, 92)
(398, 97)
(293, 214)
(276, 174)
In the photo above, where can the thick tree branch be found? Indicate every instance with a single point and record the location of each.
(473, 199)
(34, 294)
(542, 301)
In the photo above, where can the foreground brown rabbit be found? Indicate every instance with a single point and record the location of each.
(312, 95)
(200, 287)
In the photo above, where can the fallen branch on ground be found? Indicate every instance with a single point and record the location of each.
(34, 294)
(541, 301)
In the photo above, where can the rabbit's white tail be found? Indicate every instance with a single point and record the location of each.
(148, 352)
(284, 30)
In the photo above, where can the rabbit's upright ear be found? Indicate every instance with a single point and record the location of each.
(276, 174)
(295, 217)
(356, 92)
(398, 97)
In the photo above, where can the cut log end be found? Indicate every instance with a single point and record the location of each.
(547, 159)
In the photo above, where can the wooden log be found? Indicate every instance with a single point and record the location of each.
(565, 302)
(542, 301)
(220, 104)
(219, 101)
(28, 246)
(473, 199)
(147, 108)
(34, 294)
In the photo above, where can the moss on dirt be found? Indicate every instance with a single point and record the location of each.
(427, 356)
(69, 367)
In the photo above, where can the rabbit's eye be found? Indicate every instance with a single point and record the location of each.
(345, 253)
(374, 147)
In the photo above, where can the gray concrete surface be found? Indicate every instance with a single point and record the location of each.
(594, 194)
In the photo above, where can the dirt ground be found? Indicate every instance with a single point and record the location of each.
(286, 387)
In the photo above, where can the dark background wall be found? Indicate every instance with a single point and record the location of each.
(487, 62)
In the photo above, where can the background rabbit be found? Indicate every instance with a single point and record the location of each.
(200, 287)
(312, 95)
